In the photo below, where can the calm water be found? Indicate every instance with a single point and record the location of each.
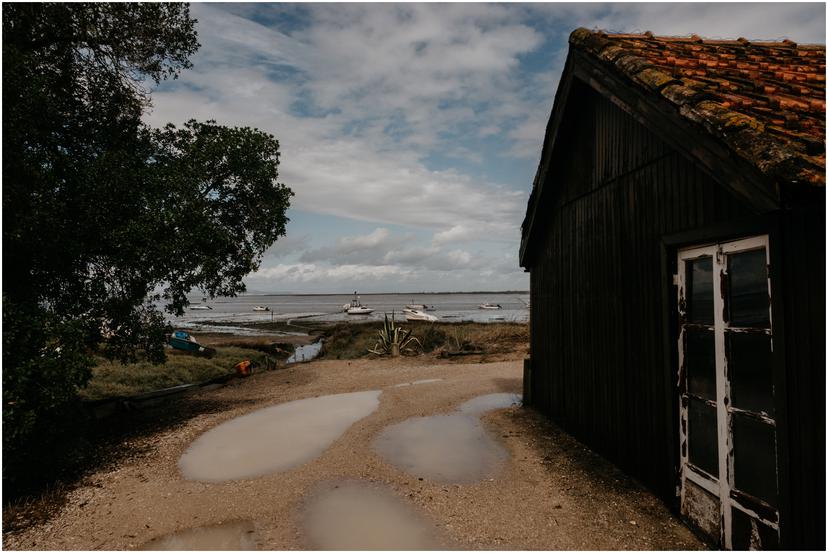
(447, 307)
(275, 438)
(358, 516)
(447, 448)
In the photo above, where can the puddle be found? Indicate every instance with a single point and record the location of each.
(305, 353)
(445, 448)
(426, 381)
(358, 516)
(230, 536)
(274, 439)
(489, 402)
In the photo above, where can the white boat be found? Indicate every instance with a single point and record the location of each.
(356, 308)
(360, 310)
(261, 308)
(489, 306)
(420, 307)
(200, 307)
(418, 315)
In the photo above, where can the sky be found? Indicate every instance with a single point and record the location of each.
(411, 133)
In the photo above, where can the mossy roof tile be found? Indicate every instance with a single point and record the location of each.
(765, 100)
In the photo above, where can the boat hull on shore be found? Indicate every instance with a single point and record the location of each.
(418, 315)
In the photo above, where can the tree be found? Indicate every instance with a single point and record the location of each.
(104, 217)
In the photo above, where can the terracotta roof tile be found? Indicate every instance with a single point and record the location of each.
(765, 100)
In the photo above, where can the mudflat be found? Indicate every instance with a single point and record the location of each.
(549, 492)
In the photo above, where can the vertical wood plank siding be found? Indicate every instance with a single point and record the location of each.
(597, 340)
(803, 274)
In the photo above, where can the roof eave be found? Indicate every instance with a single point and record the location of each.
(650, 104)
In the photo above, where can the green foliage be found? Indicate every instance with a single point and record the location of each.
(353, 340)
(432, 337)
(349, 340)
(393, 339)
(104, 217)
(44, 366)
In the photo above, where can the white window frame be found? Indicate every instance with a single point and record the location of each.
(721, 486)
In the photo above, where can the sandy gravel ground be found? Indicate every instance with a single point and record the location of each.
(552, 494)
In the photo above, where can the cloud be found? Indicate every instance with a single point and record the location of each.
(287, 245)
(381, 248)
(425, 69)
(399, 115)
(802, 22)
(368, 248)
(309, 273)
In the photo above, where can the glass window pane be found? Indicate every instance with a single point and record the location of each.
(749, 534)
(700, 362)
(702, 436)
(754, 457)
(749, 364)
(748, 299)
(699, 274)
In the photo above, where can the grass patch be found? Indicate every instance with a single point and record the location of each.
(112, 379)
(349, 340)
(352, 340)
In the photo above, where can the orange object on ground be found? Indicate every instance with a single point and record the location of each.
(244, 368)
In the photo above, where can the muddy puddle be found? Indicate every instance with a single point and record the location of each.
(416, 382)
(355, 515)
(274, 439)
(453, 448)
(444, 448)
(238, 535)
(489, 402)
(305, 353)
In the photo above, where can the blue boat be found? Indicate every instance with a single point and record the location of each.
(182, 340)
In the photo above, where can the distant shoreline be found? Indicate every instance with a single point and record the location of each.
(257, 294)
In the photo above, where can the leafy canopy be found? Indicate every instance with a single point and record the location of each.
(105, 217)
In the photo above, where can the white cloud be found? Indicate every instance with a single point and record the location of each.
(362, 97)
(303, 273)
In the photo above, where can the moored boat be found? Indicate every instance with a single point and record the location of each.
(489, 306)
(418, 315)
(420, 307)
(200, 307)
(261, 308)
(356, 308)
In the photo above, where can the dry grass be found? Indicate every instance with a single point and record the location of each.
(352, 340)
(113, 379)
(342, 341)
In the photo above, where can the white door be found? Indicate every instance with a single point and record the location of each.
(729, 482)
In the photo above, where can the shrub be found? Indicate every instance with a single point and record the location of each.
(44, 366)
(393, 339)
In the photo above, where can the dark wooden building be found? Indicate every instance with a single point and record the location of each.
(675, 237)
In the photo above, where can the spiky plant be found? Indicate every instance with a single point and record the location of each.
(394, 339)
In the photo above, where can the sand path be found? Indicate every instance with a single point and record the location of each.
(551, 494)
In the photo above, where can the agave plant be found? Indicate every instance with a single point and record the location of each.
(393, 339)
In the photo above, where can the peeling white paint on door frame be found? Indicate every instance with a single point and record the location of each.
(720, 487)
